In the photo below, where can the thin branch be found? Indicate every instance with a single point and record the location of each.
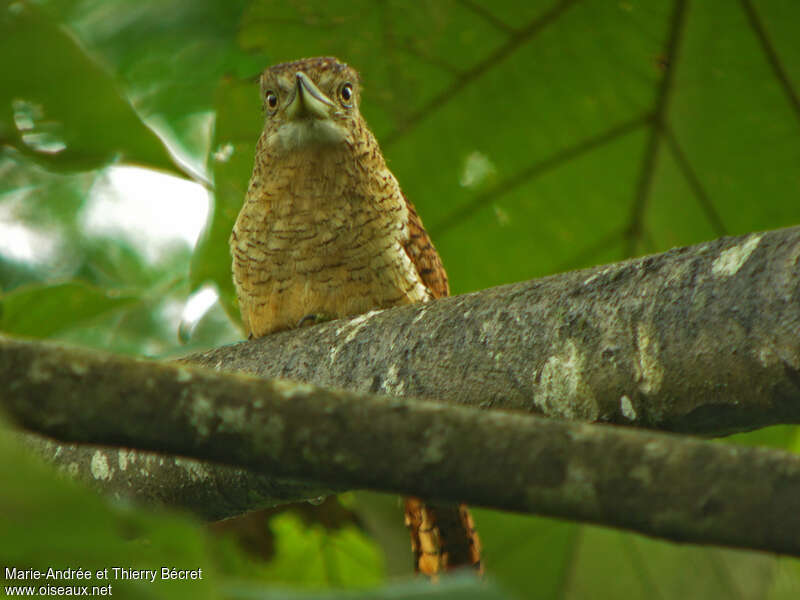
(538, 168)
(485, 14)
(411, 47)
(772, 56)
(590, 253)
(678, 488)
(703, 199)
(650, 158)
(514, 41)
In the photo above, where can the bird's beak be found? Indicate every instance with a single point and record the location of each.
(308, 100)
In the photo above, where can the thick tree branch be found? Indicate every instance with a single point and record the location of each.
(703, 339)
(678, 488)
(210, 490)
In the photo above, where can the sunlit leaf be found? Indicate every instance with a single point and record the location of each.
(314, 556)
(231, 162)
(59, 107)
(168, 55)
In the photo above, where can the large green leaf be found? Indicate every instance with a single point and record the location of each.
(44, 310)
(312, 556)
(556, 135)
(533, 137)
(61, 108)
(47, 521)
(461, 587)
(168, 54)
(532, 556)
(612, 128)
(233, 143)
(36, 197)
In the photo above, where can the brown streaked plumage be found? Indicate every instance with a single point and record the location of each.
(324, 229)
(443, 536)
(325, 232)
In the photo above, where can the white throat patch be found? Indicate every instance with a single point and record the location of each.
(295, 135)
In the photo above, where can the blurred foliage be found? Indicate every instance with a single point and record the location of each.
(533, 137)
(45, 119)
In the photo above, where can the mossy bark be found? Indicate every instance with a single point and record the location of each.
(703, 339)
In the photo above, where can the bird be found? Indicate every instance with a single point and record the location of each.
(325, 232)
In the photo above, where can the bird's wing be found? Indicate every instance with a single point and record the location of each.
(424, 256)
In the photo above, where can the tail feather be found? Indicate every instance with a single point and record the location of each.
(443, 537)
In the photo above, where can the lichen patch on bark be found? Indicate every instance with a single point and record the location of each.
(626, 406)
(78, 367)
(353, 325)
(201, 414)
(125, 456)
(196, 470)
(650, 371)
(420, 314)
(289, 389)
(598, 275)
(392, 384)
(99, 466)
(732, 259)
(352, 328)
(39, 371)
(183, 375)
(562, 390)
(233, 418)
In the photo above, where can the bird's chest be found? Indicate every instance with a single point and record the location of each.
(321, 245)
(317, 237)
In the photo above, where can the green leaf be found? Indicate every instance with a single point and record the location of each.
(447, 588)
(169, 56)
(44, 310)
(49, 521)
(231, 161)
(560, 99)
(530, 556)
(313, 556)
(546, 558)
(636, 567)
(37, 197)
(59, 107)
(526, 135)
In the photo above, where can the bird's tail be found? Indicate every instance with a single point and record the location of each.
(443, 537)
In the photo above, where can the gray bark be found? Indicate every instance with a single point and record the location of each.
(665, 485)
(703, 339)
(211, 491)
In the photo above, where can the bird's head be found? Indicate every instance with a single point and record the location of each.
(310, 102)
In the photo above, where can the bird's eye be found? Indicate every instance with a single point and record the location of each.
(272, 100)
(346, 93)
